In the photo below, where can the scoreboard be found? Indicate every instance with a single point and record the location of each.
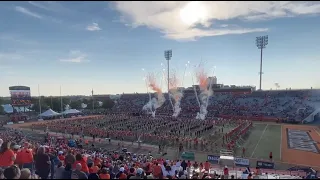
(20, 95)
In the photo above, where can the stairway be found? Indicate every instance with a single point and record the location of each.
(310, 118)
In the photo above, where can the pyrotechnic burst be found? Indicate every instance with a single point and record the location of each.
(202, 79)
(176, 94)
(157, 101)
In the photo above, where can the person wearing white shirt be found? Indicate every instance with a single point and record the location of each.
(168, 170)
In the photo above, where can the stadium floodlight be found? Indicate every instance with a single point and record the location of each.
(261, 42)
(92, 100)
(168, 56)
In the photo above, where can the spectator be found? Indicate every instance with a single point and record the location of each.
(59, 171)
(104, 174)
(7, 156)
(70, 159)
(112, 174)
(12, 172)
(157, 172)
(67, 173)
(121, 174)
(184, 165)
(79, 172)
(131, 173)
(80, 160)
(226, 172)
(93, 176)
(26, 157)
(1, 173)
(25, 173)
(42, 163)
(139, 174)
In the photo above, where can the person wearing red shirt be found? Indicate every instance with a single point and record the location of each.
(189, 164)
(270, 156)
(243, 152)
(7, 156)
(97, 161)
(81, 160)
(207, 166)
(226, 172)
(26, 157)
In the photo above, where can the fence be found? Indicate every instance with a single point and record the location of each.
(237, 171)
(254, 118)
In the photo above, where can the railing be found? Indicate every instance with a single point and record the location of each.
(254, 118)
(237, 171)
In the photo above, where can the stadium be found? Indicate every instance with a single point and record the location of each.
(247, 125)
(95, 119)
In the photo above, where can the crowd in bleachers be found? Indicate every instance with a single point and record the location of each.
(284, 104)
(183, 133)
(25, 158)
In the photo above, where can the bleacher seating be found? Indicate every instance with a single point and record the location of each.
(282, 104)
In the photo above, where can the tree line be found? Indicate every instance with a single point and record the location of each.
(55, 103)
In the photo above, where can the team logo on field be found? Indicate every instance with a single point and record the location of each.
(301, 140)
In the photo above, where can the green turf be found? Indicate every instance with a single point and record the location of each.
(252, 139)
(270, 142)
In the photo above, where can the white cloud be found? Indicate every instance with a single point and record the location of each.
(75, 56)
(181, 20)
(39, 5)
(27, 12)
(52, 6)
(93, 27)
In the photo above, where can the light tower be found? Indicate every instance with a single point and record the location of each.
(168, 56)
(92, 100)
(261, 42)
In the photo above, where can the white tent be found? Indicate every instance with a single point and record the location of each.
(49, 113)
(71, 111)
(9, 109)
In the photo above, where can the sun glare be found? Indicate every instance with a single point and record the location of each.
(193, 12)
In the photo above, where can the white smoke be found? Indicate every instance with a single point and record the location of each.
(206, 92)
(154, 104)
(204, 98)
(83, 105)
(177, 96)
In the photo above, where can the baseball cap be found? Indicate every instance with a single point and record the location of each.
(16, 146)
(139, 171)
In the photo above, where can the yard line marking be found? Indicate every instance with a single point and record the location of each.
(280, 143)
(259, 140)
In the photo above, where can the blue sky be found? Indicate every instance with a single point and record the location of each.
(104, 45)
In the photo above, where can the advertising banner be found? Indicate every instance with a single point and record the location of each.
(265, 165)
(213, 159)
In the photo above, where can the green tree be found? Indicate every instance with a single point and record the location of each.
(4, 100)
(75, 104)
(53, 102)
(90, 103)
(107, 103)
(1, 109)
(85, 101)
(36, 107)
